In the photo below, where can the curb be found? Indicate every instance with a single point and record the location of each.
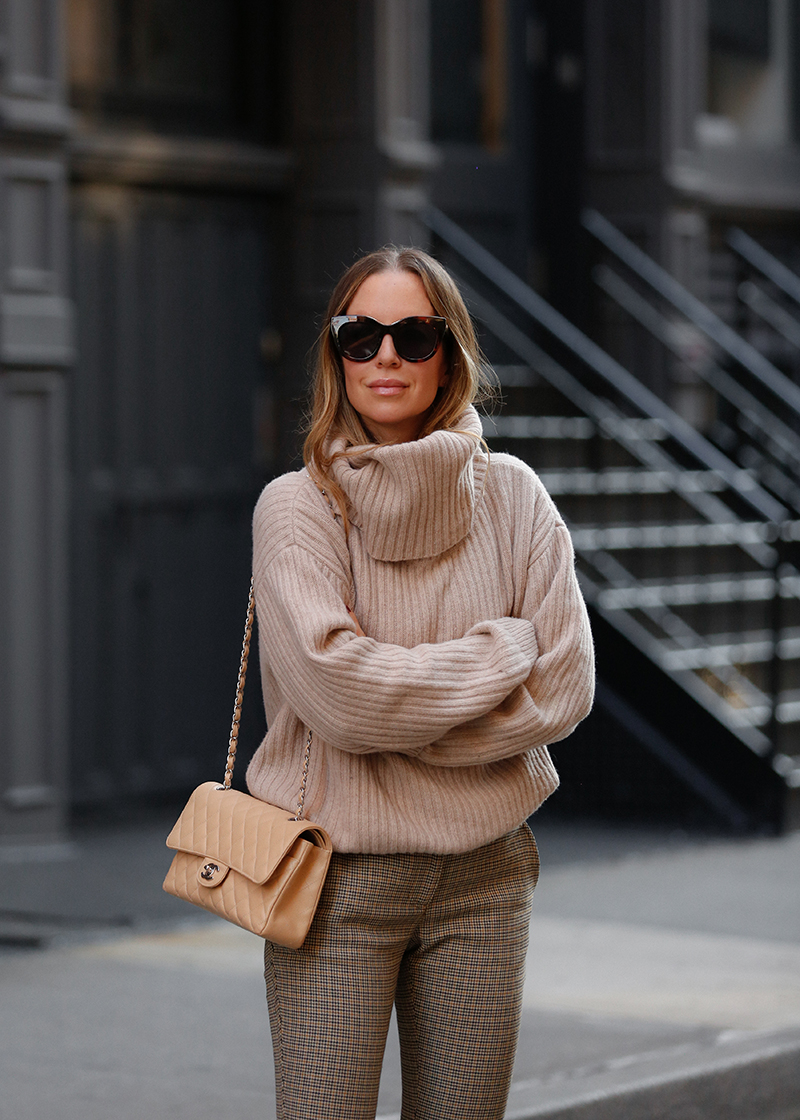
(742, 1076)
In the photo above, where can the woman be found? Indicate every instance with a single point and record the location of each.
(419, 613)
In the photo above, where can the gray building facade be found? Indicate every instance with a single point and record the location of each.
(181, 183)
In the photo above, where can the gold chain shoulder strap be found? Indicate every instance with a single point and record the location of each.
(237, 714)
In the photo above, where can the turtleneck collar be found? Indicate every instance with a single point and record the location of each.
(414, 500)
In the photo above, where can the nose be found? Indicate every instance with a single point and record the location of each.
(387, 355)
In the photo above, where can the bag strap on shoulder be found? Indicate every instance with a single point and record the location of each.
(237, 714)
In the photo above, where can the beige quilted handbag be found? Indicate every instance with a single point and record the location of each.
(246, 860)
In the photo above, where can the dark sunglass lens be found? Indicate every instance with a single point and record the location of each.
(358, 341)
(415, 341)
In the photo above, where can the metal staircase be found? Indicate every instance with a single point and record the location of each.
(685, 558)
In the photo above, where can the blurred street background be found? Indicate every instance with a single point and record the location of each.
(616, 186)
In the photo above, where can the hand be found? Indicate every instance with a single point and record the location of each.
(359, 631)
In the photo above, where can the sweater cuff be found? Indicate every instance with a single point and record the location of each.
(518, 637)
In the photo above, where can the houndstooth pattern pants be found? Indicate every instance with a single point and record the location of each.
(442, 937)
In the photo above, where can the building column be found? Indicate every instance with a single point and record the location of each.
(402, 120)
(35, 355)
(359, 94)
(684, 249)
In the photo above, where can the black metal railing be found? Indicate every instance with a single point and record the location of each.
(756, 415)
(768, 294)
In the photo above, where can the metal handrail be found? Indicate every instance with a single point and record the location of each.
(776, 437)
(767, 264)
(693, 309)
(782, 322)
(601, 363)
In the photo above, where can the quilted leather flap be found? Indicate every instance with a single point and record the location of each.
(248, 835)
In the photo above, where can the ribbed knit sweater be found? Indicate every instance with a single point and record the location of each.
(429, 734)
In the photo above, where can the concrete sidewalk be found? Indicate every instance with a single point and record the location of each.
(663, 981)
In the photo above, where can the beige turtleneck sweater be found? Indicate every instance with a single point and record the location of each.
(430, 733)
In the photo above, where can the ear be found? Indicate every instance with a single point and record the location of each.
(444, 377)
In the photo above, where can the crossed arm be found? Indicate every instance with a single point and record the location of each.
(506, 686)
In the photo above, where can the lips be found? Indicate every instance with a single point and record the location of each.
(387, 386)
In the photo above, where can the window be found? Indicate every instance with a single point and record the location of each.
(203, 66)
(469, 72)
(752, 73)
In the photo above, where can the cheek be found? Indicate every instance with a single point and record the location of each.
(349, 381)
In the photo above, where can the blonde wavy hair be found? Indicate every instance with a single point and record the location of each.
(332, 416)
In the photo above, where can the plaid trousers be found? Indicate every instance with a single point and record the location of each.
(444, 938)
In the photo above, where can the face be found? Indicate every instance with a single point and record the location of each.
(392, 396)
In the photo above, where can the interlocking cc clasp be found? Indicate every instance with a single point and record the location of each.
(212, 874)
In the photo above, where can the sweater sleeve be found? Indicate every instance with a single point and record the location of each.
(559, 689)
(350, 689)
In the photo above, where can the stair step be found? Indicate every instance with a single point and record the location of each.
(788, 766)
(539, 427)
(628, 480)
(758, 715)
(720, 650)
(749, 588)
(690, 534)
(513, 376)
(789, 706)
(570, 427)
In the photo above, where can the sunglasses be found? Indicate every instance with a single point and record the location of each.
(416, 338)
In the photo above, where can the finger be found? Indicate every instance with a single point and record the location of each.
(359, 631)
